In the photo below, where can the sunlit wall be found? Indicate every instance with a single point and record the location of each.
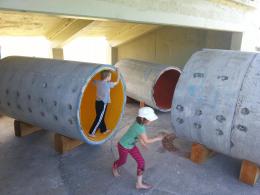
(33, 46)
(85, 49)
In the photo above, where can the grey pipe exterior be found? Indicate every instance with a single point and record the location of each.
(142, 77)
(217, 102)
(48, 93)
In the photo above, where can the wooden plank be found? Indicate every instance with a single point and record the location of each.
(22, 129)
(130, 100)
(249, 172)
(200, 153)
(142, 104)
(63, 144)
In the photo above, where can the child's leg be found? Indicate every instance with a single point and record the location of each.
(102, 125)
(96, 124)
(136, 154)
(123, 152)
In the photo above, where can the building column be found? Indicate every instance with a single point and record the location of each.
(114, 55)
(57, 53)
(246, 41)
(236, 41)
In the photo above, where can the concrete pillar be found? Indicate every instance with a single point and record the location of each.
(57, 53)
(250, 40)
(246, 41)
(236, 41)
(114, 55)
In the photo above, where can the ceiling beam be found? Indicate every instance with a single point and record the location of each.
(67, 29)
(131, 33)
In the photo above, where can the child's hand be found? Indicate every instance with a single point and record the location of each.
(143, 144)
(160, 137)
(145, 147)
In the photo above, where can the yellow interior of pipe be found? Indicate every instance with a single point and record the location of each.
(114, 109)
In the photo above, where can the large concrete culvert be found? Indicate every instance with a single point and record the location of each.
(217, 102)
(57, 95)
(151, 83)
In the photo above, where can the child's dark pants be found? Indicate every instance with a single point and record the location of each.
(99, 122)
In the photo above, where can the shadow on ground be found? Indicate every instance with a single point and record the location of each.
(30, 166)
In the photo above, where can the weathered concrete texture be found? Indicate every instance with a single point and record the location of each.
(150, 83)
(51, 94)
(213, 14)
(20, 24)
(30, 166)
(217, 102)
(173, 45)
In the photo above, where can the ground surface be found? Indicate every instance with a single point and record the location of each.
(30, 166)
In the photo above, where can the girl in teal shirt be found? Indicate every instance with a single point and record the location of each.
(127, 144)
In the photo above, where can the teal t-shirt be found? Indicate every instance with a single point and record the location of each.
(131, 136)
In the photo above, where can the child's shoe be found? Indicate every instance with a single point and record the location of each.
(107, 131)
(91, 135)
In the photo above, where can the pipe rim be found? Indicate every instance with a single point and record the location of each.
(81, 131)
(154, 83)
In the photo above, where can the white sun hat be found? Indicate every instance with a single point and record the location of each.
(148, 113)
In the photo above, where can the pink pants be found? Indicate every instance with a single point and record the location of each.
(135, 153)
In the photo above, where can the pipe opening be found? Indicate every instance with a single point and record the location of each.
(88, 111)
(164, 88)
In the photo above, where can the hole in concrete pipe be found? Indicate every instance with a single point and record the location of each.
(55, 117)
(55, 103)
(164, 88)
(70, 121)
(113, 113)
(44, 85)
(41, 100)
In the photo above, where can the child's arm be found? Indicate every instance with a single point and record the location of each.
(147, 140)
(143, 144)
(118, 77)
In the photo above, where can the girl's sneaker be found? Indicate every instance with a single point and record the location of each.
(107, 131)
(91, 135)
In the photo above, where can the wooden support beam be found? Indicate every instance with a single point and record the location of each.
(22, 129)
(200, 153)
(249, 172)
(142, 104)
(63, 144)
(131, 100)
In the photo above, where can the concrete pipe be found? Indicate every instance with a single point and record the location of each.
(57, 95)
(151, 83)
(217, 102)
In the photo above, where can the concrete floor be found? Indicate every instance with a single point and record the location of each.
(30, 166)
